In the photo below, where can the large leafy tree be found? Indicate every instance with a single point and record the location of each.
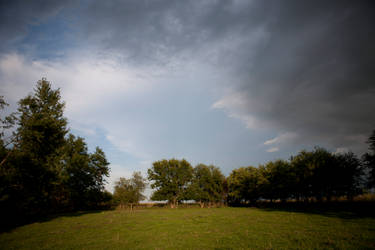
(304, 172)
(171, 179)
(207, 186)
(321, 174)
(129, 191)
(81, 174)
(245, 184)
(325, 169)
(279, 180)
(349, 180)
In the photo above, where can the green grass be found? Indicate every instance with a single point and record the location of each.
(194, 228)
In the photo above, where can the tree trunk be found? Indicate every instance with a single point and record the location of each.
(173, 202)
(5, 159)
(201, 204)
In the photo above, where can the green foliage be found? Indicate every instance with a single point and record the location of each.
(129, 191)
(41, 125)
(351, 173)
(171, 179)
(278, 180)
(207, 185)
(322, 174)
(316, 174)
(81, 174)
(43, 170)
(369, 161)
(245, 184)
(6, 122)
(40, 135)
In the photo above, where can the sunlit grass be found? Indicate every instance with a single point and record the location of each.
(194, 228)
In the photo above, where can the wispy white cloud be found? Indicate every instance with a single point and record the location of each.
(271, 141)
(341, 150)
(127, 146)
(234, 104)
(282, 138)
(274, 149)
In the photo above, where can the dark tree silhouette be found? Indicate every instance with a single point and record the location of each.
(369, 161)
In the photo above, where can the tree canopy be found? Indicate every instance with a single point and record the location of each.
(207, 185)
(314, 174)
(171, 179)
(43, 167)
(129, 191)
(369, 161)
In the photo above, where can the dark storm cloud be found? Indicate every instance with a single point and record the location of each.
(312, 71)
(157, 30)
(17, 16)
(314, 74)
(303, 66)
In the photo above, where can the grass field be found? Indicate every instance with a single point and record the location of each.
(194, 228)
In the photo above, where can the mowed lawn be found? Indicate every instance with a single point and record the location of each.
(194, 228)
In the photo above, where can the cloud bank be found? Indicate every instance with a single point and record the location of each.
(230, 81)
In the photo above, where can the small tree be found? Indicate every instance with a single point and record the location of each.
(171, 178)
(129, 191)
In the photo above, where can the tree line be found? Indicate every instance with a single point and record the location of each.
(310, 175)
(43, 166)
(316, 174)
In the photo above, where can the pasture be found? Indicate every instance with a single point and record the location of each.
(194, 228)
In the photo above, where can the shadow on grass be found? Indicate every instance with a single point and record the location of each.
(11, 222)
(344, 210)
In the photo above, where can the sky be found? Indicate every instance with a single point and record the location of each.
(231, 83)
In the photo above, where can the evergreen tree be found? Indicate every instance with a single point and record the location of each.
(42, 170)
(40, 135)
(41, 125)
